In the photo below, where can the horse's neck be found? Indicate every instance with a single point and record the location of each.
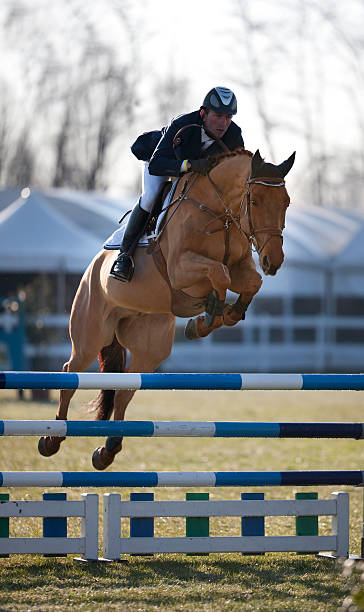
(230, 177)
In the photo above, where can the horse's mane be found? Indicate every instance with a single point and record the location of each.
(225, 155)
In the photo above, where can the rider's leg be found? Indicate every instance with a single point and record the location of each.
(123, 266)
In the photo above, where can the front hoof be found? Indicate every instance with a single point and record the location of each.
(48, 445)
(101, 459)
(231, 316)
(191, 330)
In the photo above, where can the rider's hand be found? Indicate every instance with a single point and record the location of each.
(201, 166)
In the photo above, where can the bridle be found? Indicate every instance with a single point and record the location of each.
(227, 216)
(271, 231)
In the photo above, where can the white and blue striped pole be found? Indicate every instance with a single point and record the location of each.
(181, 429)
(87, 380)
(181, 479)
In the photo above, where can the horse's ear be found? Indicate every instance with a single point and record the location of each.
(256, 162)
(285, 166)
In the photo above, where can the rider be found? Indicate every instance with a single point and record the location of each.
(218, 132)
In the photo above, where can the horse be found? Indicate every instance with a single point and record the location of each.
(203, 248)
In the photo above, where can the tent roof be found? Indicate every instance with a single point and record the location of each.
(352, 256)
(322, 232)
(92, 212)
(33, 237)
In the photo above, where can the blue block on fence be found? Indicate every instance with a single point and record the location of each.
(252, 525)
(142, 527)
(55, 527)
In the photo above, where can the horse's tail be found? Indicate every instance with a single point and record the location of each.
(112, 358)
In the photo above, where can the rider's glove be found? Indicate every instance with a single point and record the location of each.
(201, 166)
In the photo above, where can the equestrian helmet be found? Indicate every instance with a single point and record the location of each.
(221, 100)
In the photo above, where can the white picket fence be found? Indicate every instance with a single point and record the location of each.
(86, 545)
(115, 509)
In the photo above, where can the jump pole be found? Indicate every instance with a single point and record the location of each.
(87, 380)
(181, 479)
(181, 429)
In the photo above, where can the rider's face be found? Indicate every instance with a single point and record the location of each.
(216, 123)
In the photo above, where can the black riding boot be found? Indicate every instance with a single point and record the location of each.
(123, 266)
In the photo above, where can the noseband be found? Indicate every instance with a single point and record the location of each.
(271, 231)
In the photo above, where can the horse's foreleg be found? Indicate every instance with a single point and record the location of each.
(233, 313)
(246, 281)
(197, 271)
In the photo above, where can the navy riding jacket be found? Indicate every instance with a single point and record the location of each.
(164, 160)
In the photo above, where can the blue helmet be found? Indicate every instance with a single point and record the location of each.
(221, 100)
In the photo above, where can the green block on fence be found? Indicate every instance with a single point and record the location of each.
(197, 526)
(307, 525)
(4, 522)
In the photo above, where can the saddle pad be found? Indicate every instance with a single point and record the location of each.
(114, 241)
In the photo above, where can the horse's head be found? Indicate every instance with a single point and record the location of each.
(264, 209)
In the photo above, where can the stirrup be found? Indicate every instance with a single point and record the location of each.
(126, 266)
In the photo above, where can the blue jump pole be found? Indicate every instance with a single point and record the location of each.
(182, 429)
(64, 380)
(180, 479)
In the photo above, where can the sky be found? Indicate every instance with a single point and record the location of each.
(308, 53)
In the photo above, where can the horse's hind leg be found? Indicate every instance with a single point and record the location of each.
(149, 340)
(103, 456)
(50, 445)
(89, 332)
(112, 359)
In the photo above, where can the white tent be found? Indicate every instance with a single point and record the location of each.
(311, 238)
(35, 238)
(348, 267)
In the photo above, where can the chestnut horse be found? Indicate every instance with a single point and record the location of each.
(204, 248)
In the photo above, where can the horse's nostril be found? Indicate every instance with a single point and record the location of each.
(266, 263)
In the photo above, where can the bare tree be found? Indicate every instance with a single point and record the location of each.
(291, 78)
(257, 66)
(77, 103)
(4, 136)
(97, 108)
(169, 94)
(20, 170)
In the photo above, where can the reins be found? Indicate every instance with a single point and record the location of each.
(179, 202)
(227, 216)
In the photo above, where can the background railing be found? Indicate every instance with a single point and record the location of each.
(317, 343)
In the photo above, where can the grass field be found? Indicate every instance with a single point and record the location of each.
(178, 582)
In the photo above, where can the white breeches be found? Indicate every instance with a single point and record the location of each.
(151, 187)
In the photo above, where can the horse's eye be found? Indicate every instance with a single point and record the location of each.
(254, 203)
